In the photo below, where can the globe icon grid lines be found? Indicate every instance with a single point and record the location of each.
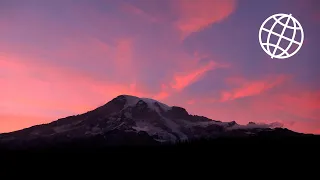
(280, 37)
(284, 51)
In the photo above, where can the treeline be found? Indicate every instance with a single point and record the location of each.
(207, 150)
(101, 145)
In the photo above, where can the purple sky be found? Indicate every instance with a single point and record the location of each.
(64, 57)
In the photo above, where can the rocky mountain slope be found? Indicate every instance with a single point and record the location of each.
(133, 120)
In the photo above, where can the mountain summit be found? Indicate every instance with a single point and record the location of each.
(128, 119)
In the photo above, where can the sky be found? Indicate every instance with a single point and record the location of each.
(65, 57)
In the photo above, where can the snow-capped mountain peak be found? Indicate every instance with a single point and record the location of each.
(132, 115)
(132, 101)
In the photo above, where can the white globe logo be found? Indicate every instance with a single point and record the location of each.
(292, 46)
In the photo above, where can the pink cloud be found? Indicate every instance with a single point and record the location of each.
(197, 15)
(184, 80)
(251, 88)
(126, 7)
(13, 122)
(163, 94)
(191, 16)
(124, 56)
(54, 89)
(288, 103)
(191, 102)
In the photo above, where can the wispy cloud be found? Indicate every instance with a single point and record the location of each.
(251, 88)
(129, 8)
(182, 81)
(197, 15)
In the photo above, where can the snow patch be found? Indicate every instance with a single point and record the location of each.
(173, 126)
(152, 130)
(133, 100)
(204, 123)
(256, 126)
(95, 129)
(60, 129)
(127, 114)
(137, 128)
(208, 123)
(151, 104)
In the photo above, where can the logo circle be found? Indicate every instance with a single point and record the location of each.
(283, 52)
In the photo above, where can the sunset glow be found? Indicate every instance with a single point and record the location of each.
(62, 57)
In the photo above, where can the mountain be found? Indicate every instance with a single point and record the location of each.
(130, 120)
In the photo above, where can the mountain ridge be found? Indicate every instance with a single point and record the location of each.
(127, 119)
